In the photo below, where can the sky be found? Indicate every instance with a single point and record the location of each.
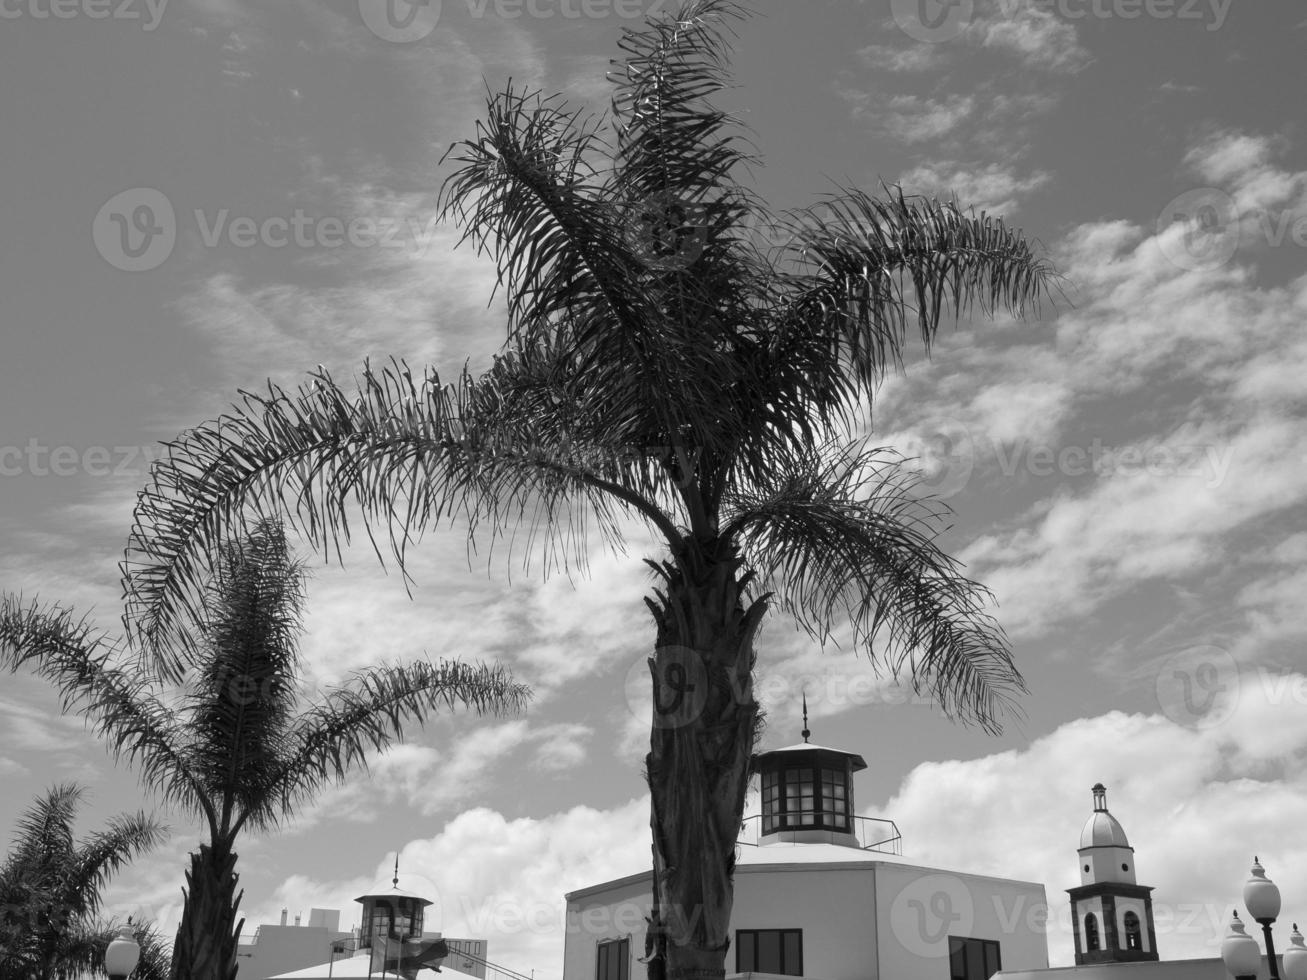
(202, 195)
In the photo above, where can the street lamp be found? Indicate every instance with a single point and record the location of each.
(1262, 899)
(1240, 952)
(121, 957)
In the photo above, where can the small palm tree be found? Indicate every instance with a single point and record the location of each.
(660, 366)
(51, 884)
(235, 747)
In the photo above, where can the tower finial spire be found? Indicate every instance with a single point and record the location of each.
(805, 731)
(395, 880)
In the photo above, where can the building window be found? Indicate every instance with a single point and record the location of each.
(973, 959)
(804, 797)
(769, 951)
(613, 960)
(1133, 936)
(1091, 932)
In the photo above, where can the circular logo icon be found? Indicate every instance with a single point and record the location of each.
(946, 459)
(933, 21)
(1198, 687)
(1199, 230)
(927, 911)
(667, 233)
(135, 231)
(400, 21)
(674, 685)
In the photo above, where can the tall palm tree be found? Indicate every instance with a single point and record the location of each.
(660, 365)
(51, 884)
(234, 746)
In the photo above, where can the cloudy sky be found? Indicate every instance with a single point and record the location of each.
(204, 194)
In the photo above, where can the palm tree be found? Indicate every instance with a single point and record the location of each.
(662, 366)
(235, 747)
(51, 884)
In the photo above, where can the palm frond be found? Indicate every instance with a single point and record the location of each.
(526, 191)
(372, 712)
(838, 536)
(107, 852)
(871, 266)
(408, 454)
(134, 723)
(240, 705)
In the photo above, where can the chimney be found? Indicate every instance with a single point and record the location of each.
(283, 917)
(297, 920)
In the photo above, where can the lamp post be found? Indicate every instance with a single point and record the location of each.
(123, 954)
(1262, 899)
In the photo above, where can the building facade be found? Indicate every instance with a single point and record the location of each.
(824, 894)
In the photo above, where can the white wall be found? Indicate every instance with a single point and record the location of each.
(850, 917)
(918, 909)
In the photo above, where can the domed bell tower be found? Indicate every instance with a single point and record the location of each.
(1113, 914)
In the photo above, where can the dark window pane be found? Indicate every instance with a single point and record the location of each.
(793, 948)
(769, 951)
(992, 962)
(957, 959)
(745, 960)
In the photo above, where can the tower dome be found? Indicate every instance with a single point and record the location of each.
(1102, 829)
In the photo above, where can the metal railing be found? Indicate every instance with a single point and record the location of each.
(871, 833)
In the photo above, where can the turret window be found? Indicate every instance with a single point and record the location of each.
(804, 797)
(1091, 932)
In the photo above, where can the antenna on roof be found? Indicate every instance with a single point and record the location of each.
(805, 731)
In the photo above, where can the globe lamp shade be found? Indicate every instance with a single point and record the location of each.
(1261, 896)
(121, 957)
(1239, 951)
(1295, 957)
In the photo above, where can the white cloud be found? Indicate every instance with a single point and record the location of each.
(994, 187)
(1034, 35)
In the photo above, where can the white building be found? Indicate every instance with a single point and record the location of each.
(321, 949)
(824, 894)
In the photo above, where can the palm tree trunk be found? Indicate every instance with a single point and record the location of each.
(701, 741)
(209, 933)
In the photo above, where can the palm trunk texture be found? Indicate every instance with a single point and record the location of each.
(209, 933)
(704, 720)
